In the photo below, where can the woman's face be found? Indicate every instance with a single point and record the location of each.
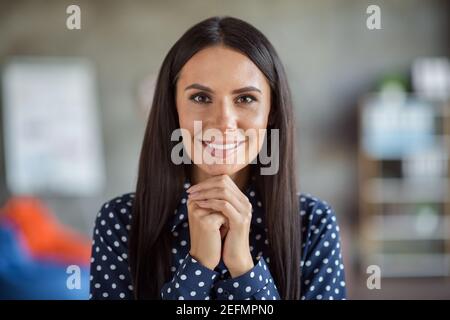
(227, 92)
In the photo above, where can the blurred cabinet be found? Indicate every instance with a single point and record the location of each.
(404, 185)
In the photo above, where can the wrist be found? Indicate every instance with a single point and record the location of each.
(204, 263)
(242, 268)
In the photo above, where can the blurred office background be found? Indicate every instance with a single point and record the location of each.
(372, 109)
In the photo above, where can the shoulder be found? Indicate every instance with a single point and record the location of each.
(114, 216)
(319, 222)
(109, 269)
(313, 209)
(321, 263)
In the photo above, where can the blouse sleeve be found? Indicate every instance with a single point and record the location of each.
(110, 275)
(192, 281)
(256, 284)
(322, 266)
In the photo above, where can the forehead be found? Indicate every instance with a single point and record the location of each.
(222, 68)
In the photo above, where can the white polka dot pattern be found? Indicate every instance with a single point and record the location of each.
(321, 263)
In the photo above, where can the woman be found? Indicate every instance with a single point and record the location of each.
(218, 229)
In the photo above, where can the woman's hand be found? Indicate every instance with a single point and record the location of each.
(221, 194)
(205, 234)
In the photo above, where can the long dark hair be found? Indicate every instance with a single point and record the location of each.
(160, 181)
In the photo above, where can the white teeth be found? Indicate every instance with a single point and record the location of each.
(222, 146)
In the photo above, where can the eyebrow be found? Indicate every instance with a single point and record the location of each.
(207, 89)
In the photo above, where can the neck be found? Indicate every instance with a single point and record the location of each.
(240, 178)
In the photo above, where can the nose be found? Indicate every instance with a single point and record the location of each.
(224, 116)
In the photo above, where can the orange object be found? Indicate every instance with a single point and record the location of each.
(43, 234)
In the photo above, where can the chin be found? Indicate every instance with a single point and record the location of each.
(220, 169)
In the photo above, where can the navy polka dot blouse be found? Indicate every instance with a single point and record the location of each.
(321, 262)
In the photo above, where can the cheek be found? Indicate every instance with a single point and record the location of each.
(260, 115)
(188, 114)
(187, 124)
(257, 119)
(185, 118)
(256, 124)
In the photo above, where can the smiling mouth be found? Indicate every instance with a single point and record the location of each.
(221, 150)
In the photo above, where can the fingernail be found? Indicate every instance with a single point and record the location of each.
(191, 189)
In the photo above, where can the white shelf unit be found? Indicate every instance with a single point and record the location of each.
(404, 217)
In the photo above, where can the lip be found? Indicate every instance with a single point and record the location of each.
(221, 150)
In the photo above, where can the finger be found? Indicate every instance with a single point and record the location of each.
(227, 185)
(216, 181)
(195, 210)
(224, 207)
(221, 193)
(217, 219)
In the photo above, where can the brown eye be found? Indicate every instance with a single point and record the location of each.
(200, 98)
(247, 99)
